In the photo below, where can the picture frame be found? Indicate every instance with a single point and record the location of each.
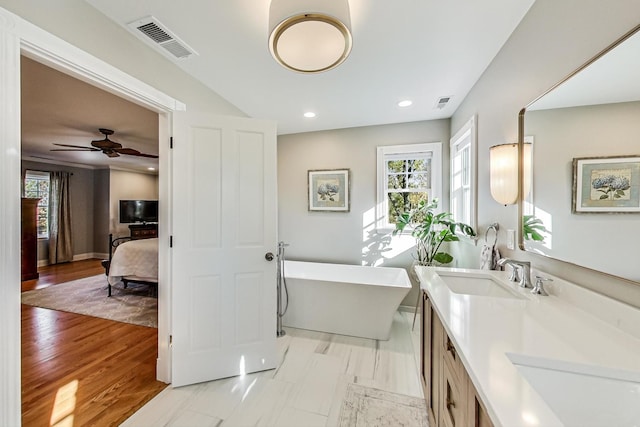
(606, 184)
(329, 190)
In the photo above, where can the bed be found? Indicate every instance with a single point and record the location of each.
(133, 261)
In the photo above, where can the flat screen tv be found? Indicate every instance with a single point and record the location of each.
(132, 211)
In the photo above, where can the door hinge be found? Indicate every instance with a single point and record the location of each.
(170, 142)
(170, 241)
(170, 340)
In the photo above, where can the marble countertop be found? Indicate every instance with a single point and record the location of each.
(572, 324)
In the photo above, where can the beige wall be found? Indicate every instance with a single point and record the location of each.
(128, 186)
(554, 38)
(339, 237)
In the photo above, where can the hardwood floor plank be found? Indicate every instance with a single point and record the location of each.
(98, 371)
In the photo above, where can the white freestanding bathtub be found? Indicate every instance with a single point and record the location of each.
(344, 299)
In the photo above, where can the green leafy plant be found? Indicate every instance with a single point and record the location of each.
(532, 228)
(431, 230)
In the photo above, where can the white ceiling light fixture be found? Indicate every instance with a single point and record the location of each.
(310, 36)
(309, 114)
(405, 103)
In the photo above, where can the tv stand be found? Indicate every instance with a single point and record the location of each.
(143, 231)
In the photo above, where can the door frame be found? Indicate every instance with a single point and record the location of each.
(19, 37)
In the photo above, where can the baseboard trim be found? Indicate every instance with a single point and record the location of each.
(90, 255)
(78, 257)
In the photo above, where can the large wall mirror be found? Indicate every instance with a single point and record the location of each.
(583, 206)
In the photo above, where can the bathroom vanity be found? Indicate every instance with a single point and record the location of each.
(495, 355)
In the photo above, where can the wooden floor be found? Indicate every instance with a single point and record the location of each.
(80, 370)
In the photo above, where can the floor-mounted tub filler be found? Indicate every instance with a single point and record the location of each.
(344, 299)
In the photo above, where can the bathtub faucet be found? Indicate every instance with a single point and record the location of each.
(525, 281)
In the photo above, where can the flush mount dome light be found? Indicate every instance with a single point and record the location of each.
(309, 36)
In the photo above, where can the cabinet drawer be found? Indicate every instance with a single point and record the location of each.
(451, 358)
(453, 409)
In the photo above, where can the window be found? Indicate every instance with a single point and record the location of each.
(407, 174)
(463, 174)
(36, 186)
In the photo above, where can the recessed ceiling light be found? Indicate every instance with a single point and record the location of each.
(151, 169)
(405, 103)
(309, 114)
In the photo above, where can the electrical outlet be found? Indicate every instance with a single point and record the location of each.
(511, 239)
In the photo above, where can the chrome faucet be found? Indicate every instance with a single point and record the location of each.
(538, 289)
(525, 280)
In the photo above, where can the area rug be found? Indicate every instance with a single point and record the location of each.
(366, 406)
(89, 296)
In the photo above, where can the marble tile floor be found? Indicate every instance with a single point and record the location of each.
(306, 389)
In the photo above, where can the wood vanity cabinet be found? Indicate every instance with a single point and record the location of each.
(451, 398)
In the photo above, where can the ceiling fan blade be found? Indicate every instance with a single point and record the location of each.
(129, 151)
(132, 152)
(151, 156)
(79, 147)
(71, 149)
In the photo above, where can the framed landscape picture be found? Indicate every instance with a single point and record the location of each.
(606, 184)
(329, 190)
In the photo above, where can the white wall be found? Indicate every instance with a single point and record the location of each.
(338, 237)
(80, 24)
(554, 38)
(128, 186)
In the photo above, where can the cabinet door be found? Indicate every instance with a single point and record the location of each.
(476, 411)
(454, 405)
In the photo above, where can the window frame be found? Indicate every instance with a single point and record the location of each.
(466, 136)
(382, 208)
(39, 176)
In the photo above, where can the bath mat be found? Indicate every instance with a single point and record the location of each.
(366, 406)
(89, 296)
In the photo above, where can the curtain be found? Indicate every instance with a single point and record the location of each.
(60, 247)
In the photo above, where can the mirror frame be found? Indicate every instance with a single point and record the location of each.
(521, 138)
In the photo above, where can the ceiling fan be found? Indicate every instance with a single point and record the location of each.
(107, 146)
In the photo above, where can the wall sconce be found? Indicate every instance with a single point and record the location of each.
(503, 167)
(309, 36)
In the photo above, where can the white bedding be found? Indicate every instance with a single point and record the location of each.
(137, 258)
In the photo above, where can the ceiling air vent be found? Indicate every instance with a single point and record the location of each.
(151, 30)
(442, 102)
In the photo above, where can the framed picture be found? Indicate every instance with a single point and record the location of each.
(606, 184)
(329, 190)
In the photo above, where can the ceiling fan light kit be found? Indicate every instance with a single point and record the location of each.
(108, 147)
(310, 36)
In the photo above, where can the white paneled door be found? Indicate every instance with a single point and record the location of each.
(224, 223)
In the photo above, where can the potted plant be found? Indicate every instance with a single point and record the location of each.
(431, 230)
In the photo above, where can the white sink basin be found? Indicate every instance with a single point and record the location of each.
(473, 285)
(583, 395)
